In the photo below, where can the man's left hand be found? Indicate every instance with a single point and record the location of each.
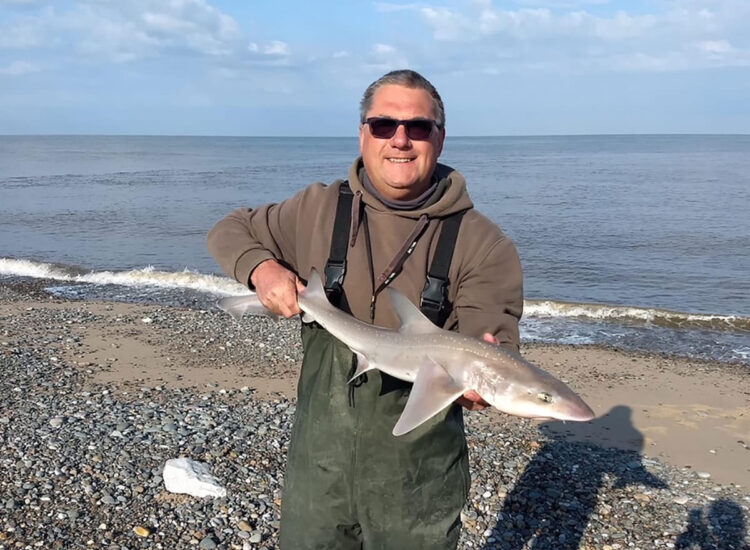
(471, 400)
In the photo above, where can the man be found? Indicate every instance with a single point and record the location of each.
(349, 482)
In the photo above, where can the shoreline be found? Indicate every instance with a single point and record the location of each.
(664, 414)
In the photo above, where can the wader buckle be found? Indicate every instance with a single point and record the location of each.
(433, 295)
(335, 272)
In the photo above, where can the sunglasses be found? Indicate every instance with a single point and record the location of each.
(418, 129)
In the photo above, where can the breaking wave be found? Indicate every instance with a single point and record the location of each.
(213, 284)
(629, 314)
(147, 276)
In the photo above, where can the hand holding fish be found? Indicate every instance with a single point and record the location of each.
(277, 288)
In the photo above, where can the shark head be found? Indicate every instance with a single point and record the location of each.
(542, 396)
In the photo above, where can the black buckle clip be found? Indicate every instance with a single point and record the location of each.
(335, 272)
(433, 294)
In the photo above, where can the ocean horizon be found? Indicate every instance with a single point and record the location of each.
(636, 241)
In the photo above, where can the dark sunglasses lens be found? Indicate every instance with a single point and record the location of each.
(383, 128)
(418, 129)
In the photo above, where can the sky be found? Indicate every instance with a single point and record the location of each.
(298, 68)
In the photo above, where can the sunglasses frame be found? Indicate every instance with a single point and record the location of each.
(407, 123)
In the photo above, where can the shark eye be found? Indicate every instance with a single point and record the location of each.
(544, 396)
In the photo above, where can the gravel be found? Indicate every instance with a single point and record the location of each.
(82, 462)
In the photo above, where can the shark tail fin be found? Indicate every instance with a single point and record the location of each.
(412, 320)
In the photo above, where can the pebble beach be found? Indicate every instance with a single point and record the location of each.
(97, 396)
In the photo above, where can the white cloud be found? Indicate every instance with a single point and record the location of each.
(18, 68)
(716, 47)
(385, 57)
(381, 50)
(277, 47)
(110, 30)
(563, 36)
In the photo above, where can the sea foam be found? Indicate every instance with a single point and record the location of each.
(147, 276)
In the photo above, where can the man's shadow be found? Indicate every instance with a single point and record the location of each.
(553, 501)
(722, 528)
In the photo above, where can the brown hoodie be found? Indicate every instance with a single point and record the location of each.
(485, 275)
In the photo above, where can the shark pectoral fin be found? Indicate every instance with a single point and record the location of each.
(434, 389)
(363, 365)
(412, 320)
(237, 306)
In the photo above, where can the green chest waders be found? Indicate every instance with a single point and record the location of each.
(349, 482)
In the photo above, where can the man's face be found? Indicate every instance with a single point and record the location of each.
(400, 168)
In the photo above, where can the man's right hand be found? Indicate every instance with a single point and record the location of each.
(277, 288)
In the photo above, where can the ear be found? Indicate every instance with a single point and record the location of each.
(440, 141)
(361, 138)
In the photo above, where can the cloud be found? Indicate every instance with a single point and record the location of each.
(18, 68)
(110, 30)
(715, 47)
(562, 36)
(385, 57)
(277, 47)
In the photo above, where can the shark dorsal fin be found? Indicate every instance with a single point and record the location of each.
(412, 320)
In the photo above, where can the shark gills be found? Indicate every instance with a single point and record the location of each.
(442, 365)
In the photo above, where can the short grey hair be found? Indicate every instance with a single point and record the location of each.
(408, 79)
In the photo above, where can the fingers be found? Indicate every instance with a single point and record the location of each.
(490, 339)
(472, 401)
(276, 288)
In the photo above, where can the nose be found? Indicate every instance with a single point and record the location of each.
(400, 139)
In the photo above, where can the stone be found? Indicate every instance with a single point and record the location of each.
(141, 531)
(186, 476)
(244, 526)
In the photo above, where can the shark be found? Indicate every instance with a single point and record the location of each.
(442, 365)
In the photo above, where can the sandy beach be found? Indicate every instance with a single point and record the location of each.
(690, 417)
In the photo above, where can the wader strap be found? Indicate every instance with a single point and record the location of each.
(434, 302)
(336, 265)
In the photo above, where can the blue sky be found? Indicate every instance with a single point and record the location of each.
(513, 67)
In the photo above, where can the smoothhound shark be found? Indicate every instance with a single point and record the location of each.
(442, 365)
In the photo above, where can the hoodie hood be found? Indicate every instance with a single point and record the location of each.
(451, 184)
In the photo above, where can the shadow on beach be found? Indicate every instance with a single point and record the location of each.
(554, 499)
(721, 528)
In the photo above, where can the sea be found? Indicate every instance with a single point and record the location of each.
(635, 242)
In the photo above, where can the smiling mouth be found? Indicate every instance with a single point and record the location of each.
(399, 160)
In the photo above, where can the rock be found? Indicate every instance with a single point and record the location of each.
(182, 475)
(208, 543)
(244, 526)
(141, 531)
